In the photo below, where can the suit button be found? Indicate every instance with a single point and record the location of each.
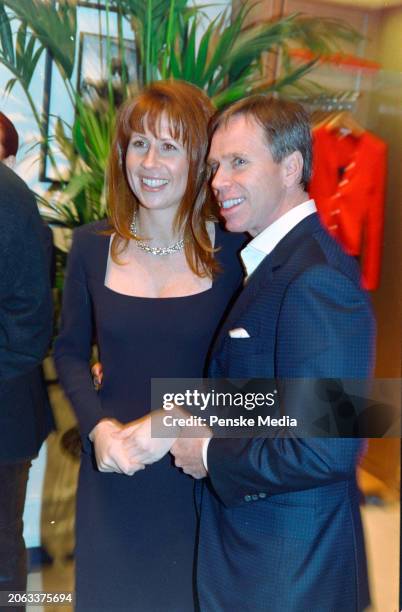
(254, 497)
(247, 498)
(262, 495)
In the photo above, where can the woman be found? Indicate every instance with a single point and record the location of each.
(148, 288)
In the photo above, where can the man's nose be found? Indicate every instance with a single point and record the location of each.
(221, 179)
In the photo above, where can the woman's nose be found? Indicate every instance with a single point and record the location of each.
(150, 158)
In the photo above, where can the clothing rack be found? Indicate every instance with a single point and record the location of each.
(345, 100)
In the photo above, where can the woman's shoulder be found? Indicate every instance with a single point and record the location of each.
(90, 245)
(95, 228)
(92, 233)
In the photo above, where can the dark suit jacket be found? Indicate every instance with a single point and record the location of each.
(280, 523)
(25, 321)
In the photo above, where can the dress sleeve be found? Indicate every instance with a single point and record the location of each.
(73, 347)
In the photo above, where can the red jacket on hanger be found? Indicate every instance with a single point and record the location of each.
(348, 186)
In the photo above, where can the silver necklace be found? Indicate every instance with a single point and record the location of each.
(173, 248)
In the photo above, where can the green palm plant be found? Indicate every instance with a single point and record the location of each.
(20, 55)
(227, 62)
(84, 144)
(55, 27)
(86, 147)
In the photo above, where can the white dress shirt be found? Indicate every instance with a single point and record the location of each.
(261, 246)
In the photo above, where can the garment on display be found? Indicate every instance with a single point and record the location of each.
(348, 185)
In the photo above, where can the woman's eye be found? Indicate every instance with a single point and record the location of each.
(138, 143)
(168, 146)
(239, 161)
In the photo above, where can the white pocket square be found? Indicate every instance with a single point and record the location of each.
(239, 332)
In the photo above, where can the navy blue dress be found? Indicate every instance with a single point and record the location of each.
(135, 535)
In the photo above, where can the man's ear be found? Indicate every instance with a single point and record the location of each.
(292, 169)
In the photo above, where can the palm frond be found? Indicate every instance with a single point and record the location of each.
(55, 27)
(19, 54)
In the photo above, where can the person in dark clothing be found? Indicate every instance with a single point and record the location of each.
(25, 331)
(153, 303)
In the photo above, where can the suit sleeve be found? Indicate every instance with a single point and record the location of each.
(25, 298)
(73, 347)
(325, 330)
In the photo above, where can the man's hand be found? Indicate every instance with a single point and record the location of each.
(110, 454)
(145, 440)
(187, 453)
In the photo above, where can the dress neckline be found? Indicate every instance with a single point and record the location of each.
(166, 299)
(159, 299)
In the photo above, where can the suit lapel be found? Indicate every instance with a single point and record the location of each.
(247, 295)
(265, 274)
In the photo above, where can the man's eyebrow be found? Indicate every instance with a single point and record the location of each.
(228, 156)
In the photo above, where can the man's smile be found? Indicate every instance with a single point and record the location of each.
(231, 202)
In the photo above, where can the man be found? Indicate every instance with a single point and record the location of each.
(25, 331)
(280, 527)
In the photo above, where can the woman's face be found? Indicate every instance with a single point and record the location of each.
(157, 168)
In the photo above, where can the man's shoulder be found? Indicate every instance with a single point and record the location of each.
(309, 252)
(322, 268)
(19, 214)
(16, 199)
(309, 245)
(333, 255)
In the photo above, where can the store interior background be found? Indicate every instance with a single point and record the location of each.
(49, 512)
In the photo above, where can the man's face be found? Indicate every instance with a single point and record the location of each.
(247, 183)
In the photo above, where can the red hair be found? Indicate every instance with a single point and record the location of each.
(8, 136)
(188, 110)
